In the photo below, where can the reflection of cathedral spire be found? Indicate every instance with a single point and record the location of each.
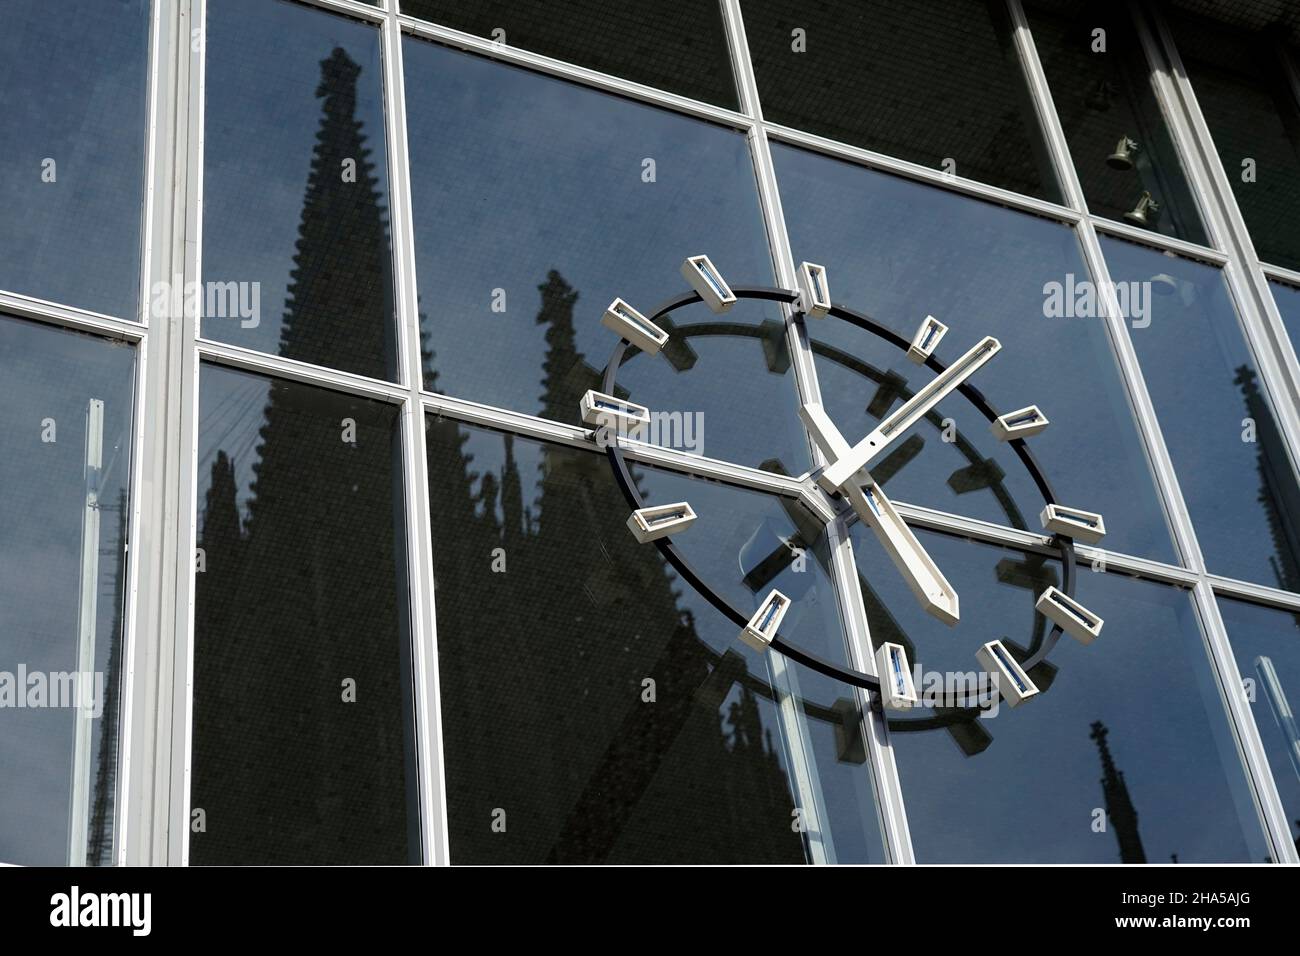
(100, 837)
(1278, 492)
(1119, 808)
(339, 307)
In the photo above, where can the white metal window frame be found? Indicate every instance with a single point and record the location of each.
(152, 805)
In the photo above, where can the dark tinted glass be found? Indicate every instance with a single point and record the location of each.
(898, 251)
(675, 45)
(1250, 107)
(302, 700)
(1102, 92)
(65, 427)
(938, 83)
(1232, 463)
(1287, 298)
(598, 710)
(72, 121)
(1266, 642)
(537, 202)
(295, 213)
(1128, 732)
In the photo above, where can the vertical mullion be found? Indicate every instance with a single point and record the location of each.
(884, 773)
(1241, 721)
(419, 534)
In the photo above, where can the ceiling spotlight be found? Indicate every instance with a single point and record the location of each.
(1075, 619)
(814, 293)
(1012, 681)
(1144, 213)
(649, 524)
(1085, 526)
(633, 326)
(762, 627)
(926, 339)
(1123, 156)
(605, 411)
(897, 690)
(1022, 423)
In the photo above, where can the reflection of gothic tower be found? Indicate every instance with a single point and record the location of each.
(1277, 492)
(286, 615)
(1119, 808)
(607, 776)
(100, 839)
(339, 309)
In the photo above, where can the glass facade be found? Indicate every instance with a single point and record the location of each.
(310, 552)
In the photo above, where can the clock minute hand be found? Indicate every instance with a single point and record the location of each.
(877, 512)
(838, 473)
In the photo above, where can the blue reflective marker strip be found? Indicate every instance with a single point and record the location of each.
(929, 334)
(1062, 602)
(773, 606)
(645, 325)
(819, 280)
(1011, 671)
(1023, 419)
(714, 282)
(668, 517)
(898, 671)
(1077, 518)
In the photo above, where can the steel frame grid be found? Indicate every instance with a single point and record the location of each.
(152, 811)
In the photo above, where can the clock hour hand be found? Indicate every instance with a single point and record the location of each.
(843, 467)
(877, 512)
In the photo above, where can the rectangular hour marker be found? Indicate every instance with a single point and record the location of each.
(633, 326)
(815, 297)
(1085, 526)
(1022, 423)
(897, 690)
(1075, 619)
(605, 411)
(705, 279)
(1013, 683)
(765, 623)
(926, 339)
(648, 524)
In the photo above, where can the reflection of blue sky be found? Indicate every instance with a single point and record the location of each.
(261, 118)
(74, 91)
(514, 175)
(1258, 632)
(898, 251)
(1029, 797)
(1190, 356)
(729, 518)
(1288, 304)
(52, 374)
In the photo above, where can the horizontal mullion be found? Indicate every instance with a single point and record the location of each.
(570, 71)
(924, 174)
(1255, 593)
(350, 7)
(248, 360)
(1160, 241)
(69, 317)
(1290, 276)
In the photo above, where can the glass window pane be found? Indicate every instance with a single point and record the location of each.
(551, 621)
(1129, 730)
(1117, 135)
(1217, 421)
(537, 202)
(72, 121)
(302, 734)
(1287, 298)
(65, 427)
(898, 251)
(1249, 105)
(943, 89)
(675, 45)
(296, 255)
(1266, 642)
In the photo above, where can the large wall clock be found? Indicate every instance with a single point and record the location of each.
(843, 484)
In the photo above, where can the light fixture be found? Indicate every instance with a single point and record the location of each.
(1124, 155)
(814, 293)
(762, 627)
(605, 411)
(705, 279)
(926, 339)
(1022, 423)
(635, 327)
(1013, 683)
(897, 690)
(1144, 213)
(650, 524)
(1085, 526)
(1075, 619)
